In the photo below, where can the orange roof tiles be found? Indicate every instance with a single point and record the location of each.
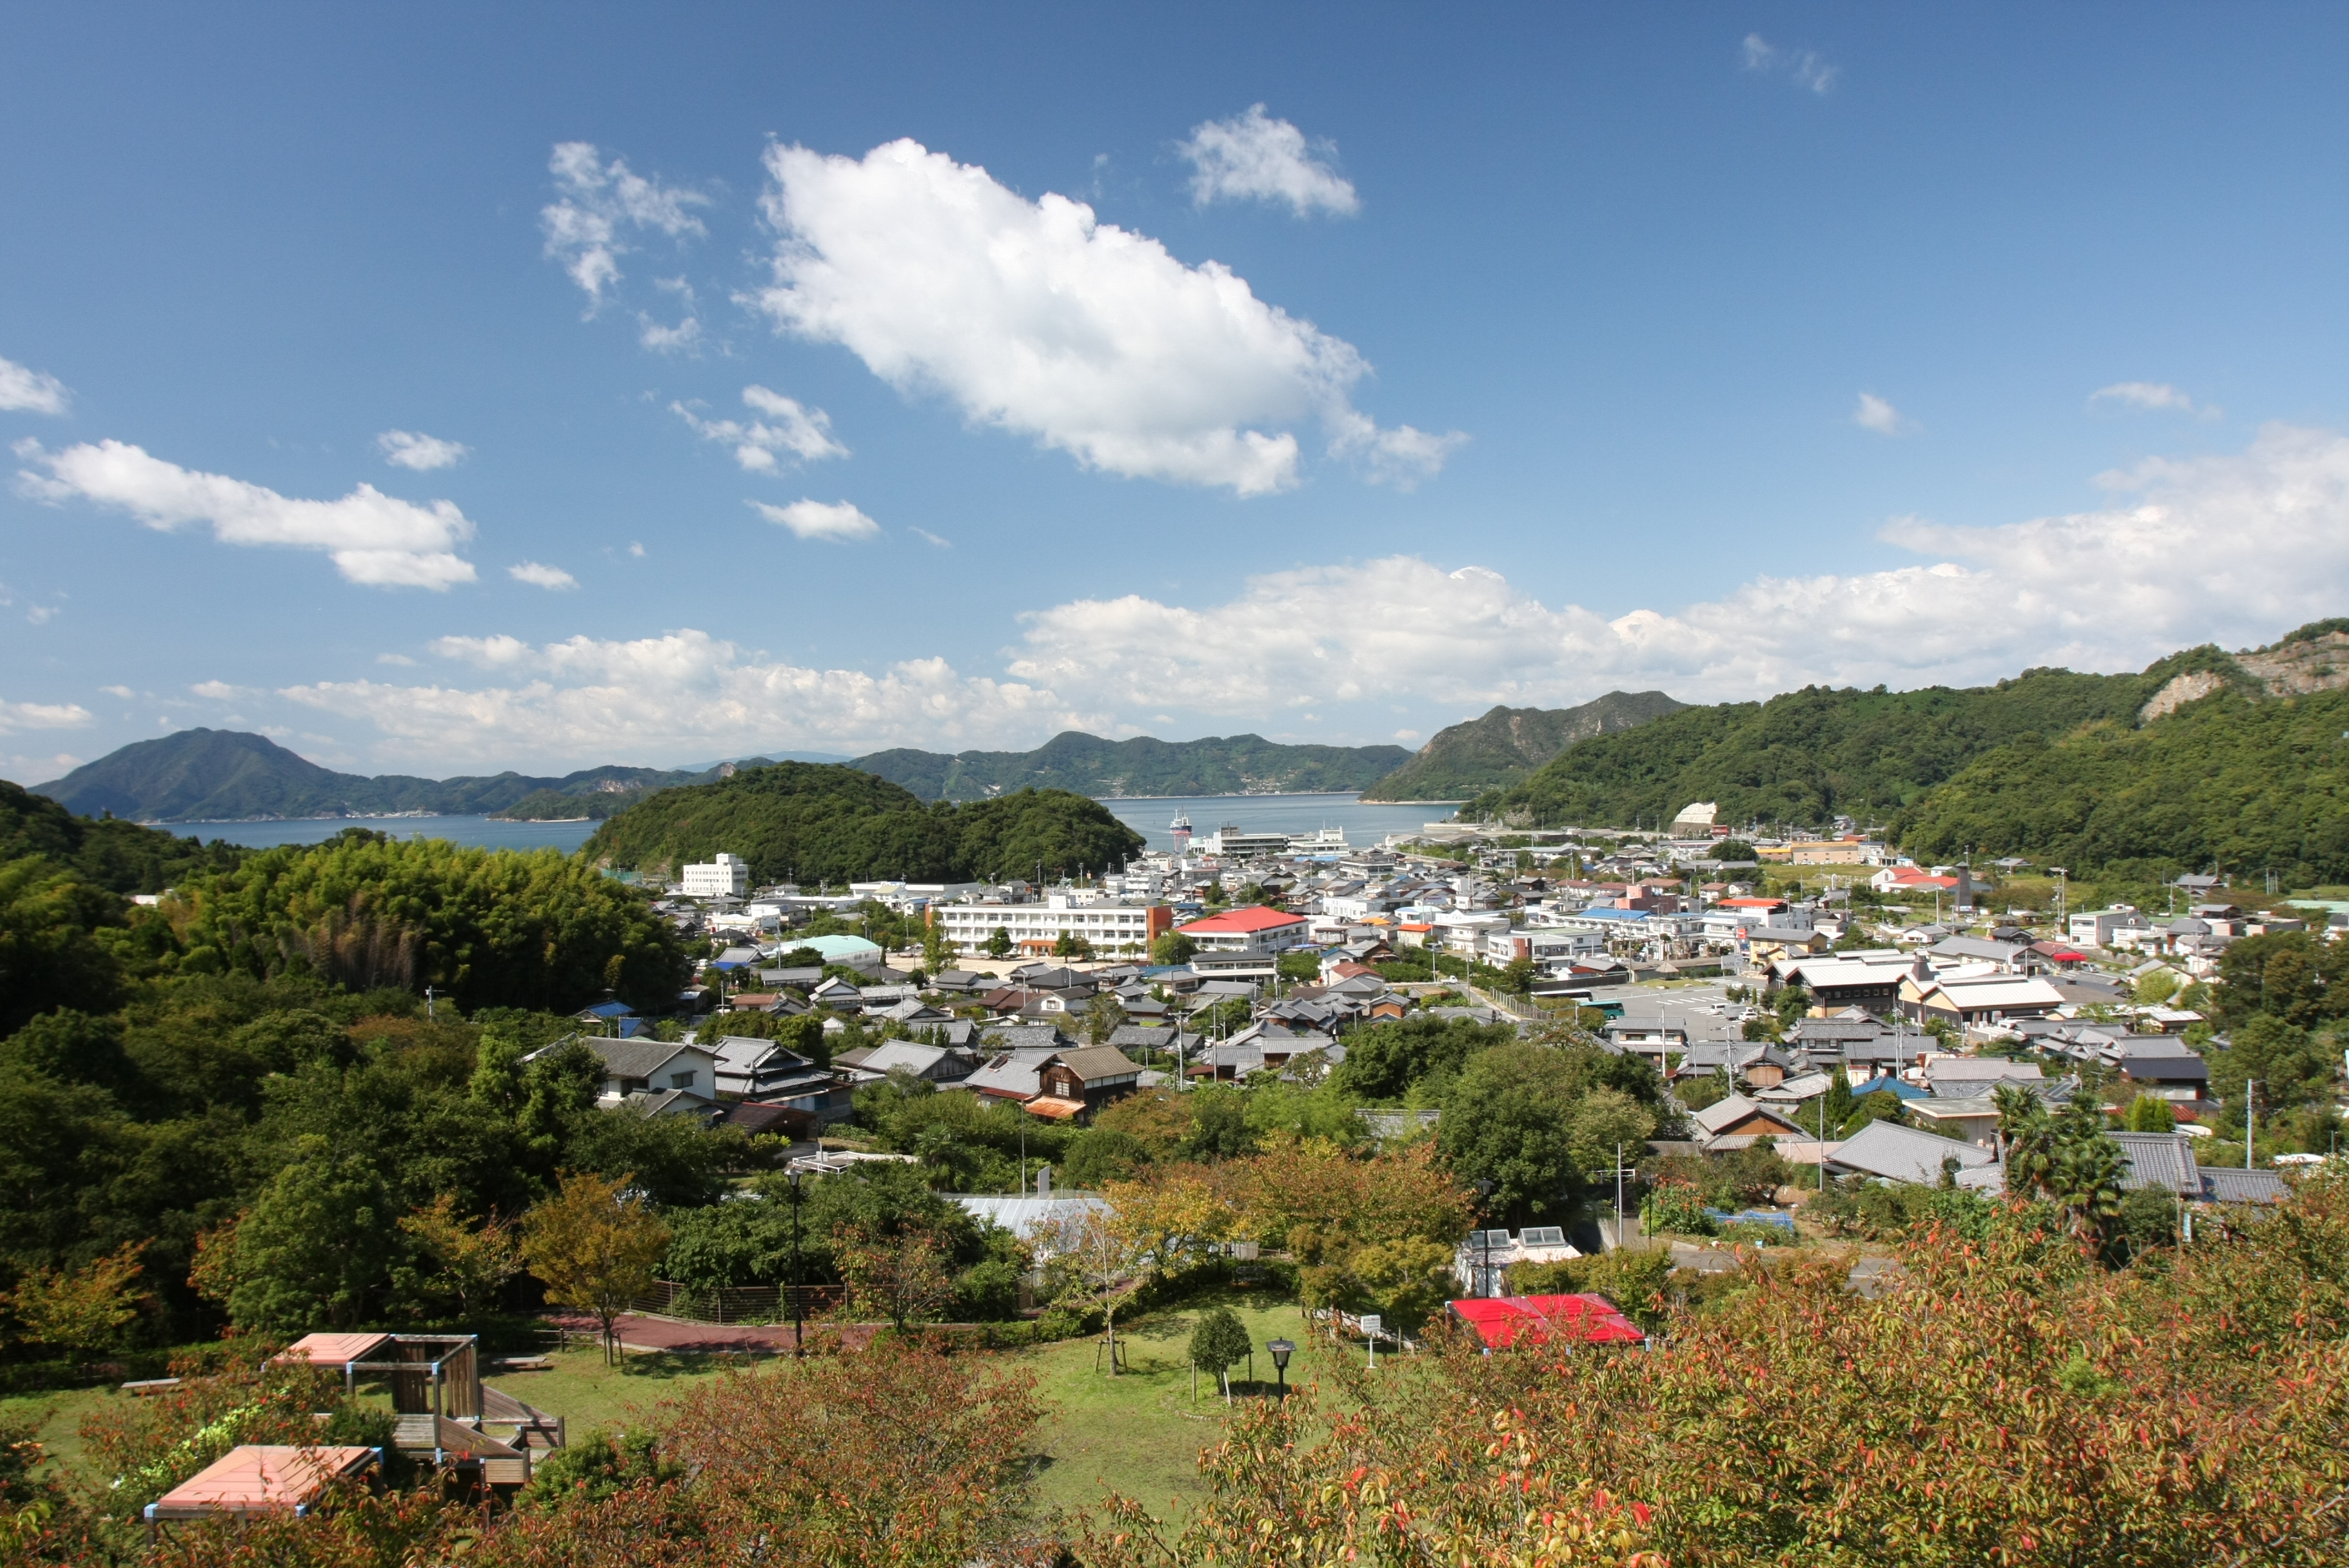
(259, 1478)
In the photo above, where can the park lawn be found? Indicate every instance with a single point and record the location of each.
(579, 1387)
(1139, 1434)
(55, 1417)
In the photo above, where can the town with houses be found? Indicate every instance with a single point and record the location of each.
(1240, 954)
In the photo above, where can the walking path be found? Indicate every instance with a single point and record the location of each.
(641, 1331)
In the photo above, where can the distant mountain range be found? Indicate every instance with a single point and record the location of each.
(1509, 743)
(1088, 765)
(225, 775)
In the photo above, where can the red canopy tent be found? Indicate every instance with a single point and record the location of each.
(1586, 1319)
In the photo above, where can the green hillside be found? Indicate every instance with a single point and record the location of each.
(2238, 763)
(1807, 755)
(812, 823)
(1506, 743)
(1088, 765)
(2236, 781)
(120, 857)
(223, 774)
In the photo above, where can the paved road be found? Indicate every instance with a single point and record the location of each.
(637, 1331)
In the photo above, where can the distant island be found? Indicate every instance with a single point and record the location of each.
(229, 776)
(1124, 770)
(225, 775)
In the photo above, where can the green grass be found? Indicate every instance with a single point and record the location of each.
(56, 1419)
(1139, 1434)
(585, 1393)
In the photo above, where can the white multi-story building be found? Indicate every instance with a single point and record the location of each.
(729, 876)
(1110, 924)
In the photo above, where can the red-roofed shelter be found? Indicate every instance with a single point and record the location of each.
(260, 1478)
(1587, 1319)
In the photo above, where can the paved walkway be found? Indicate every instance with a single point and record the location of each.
(640, 1331)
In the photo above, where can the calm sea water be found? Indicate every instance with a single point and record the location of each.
(481, 833)
(1365, 825)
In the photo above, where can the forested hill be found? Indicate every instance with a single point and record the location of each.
(1506, 743)
(1807, 756)
(120, 857)
(2206, 760)
(811, 822)
(224, 775)
(1088, 765)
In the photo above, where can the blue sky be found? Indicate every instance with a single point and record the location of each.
(1506, 355)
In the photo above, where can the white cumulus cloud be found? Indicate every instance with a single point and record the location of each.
(588, 699)
(413, 449)
(23, 390)
(2103, 590)
(374, 539)
(1873, 413)
(2152, 395)
(1802, 67)
(600, 205)
(802, 432)
(542, 577)
(1035, 317)
(1252, 157)
(821, 519)
(16, 716)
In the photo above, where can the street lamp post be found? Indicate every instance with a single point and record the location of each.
(799, 1347)
(1483, 1240)
(1281, 1351)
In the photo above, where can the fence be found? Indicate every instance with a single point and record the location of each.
(735, 1304)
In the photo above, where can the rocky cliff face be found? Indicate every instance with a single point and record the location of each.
(2310, 660)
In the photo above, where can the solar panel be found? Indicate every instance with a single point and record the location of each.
(1546, 1236)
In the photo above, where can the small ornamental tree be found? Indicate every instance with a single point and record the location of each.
(903, 1277)
(595, 1247)
(468, 1262)
(83, 1310)
(1218, 1343)
(998, 944)
(1173, 947)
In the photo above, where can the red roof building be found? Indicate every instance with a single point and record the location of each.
(1586, 1319)
(1255, 929)
(260, 1479)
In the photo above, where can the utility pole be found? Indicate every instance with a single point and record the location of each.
(798, 1346)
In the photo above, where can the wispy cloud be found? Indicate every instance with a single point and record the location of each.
(542, 577)
(799, 431)
(1976, 604)
(1802, 67)
(926, 537)
(16, 716)
(2151, 395)
(374, 539)
(1253, 156)
(1873, 413)
(414, 449)
(29, 391)
(587, 698)
(601, 205)
(821, 519)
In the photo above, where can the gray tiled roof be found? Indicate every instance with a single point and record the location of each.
(2163, 1160)
(2225, 1184)
(1900, 1153)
